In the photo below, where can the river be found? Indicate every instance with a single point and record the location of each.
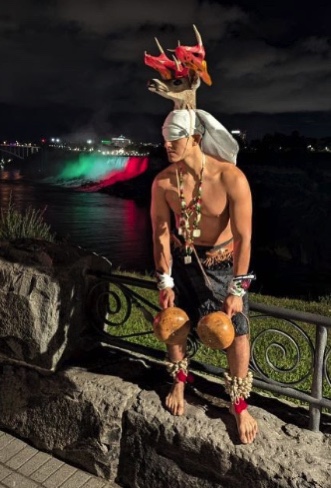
(120, 229)
(113, 227)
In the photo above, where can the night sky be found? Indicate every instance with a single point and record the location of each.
(74, 68)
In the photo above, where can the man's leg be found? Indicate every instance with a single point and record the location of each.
(238, 355)
(175, 400)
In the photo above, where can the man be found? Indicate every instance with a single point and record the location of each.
(203, 267)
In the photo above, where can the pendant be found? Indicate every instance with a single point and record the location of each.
(187, 259)
(196, 232)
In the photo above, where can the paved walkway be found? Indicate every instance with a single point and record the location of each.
(22, 466)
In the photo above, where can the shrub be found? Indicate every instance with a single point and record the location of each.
(23, 225)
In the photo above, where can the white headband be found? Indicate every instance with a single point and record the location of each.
(216, 140)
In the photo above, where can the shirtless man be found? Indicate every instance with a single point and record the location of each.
(212, 197)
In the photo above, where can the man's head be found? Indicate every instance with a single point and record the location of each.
(181, 134)
(215, 139)
(181, 123)
(183, 149)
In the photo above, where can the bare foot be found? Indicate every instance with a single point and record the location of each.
(246, 425)
(175, 400)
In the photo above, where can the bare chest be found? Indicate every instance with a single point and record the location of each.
(213, 198)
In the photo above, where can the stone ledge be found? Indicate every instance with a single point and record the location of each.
(106, 417)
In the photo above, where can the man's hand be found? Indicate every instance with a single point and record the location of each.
(232, 305)
(167, 298)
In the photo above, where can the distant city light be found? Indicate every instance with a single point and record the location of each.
(122, 146)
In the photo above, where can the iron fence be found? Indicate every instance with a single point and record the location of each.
(286, 336)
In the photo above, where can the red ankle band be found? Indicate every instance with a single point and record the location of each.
(240, 406)
(181, 376)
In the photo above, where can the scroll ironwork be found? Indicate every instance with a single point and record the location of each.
(290, 355)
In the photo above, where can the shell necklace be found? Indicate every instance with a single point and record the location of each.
(188, 230)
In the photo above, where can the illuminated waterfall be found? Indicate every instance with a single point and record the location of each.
(91, 172)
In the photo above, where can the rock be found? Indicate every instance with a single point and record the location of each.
(107, 417)
(75, 414)
(43, 292)
(201, 450)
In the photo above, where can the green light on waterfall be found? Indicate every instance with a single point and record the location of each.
(92, 167)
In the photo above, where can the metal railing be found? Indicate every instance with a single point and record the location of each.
(111, 301)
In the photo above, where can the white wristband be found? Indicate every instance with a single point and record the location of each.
(164, 281)
(236, 289)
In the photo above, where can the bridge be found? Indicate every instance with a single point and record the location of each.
(20, 151)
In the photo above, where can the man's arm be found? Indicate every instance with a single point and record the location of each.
(240, 209)
(160, 218)
(240, 212)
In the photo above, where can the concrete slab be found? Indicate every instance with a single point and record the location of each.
(22, 466)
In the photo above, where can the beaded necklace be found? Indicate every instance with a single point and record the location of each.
(187, 230)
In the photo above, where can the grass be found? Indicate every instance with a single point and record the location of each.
(281, 350)
(30, 223)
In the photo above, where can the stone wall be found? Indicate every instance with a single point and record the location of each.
(106, 416)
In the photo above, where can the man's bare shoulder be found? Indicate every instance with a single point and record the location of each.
(232, 178)
(231, 174)
(164, 177)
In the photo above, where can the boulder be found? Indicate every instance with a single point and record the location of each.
(107, 416)
(43, 293)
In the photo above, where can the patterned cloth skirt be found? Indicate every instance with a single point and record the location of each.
(201, 286)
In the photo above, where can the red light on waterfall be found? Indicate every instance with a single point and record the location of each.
(135, 166)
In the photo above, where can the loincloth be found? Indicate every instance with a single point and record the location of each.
(201, 286)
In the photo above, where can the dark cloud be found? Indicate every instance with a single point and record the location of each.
(74, 57)
(271, 79)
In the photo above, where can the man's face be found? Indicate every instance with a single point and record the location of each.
(179, 149)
